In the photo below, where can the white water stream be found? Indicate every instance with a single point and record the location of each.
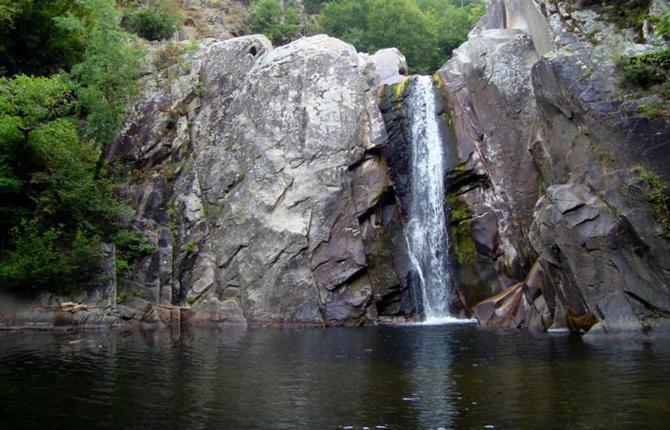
(426, 232)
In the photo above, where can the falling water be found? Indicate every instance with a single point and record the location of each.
(426, 231)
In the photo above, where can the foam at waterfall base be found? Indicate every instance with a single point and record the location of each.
(445, 321)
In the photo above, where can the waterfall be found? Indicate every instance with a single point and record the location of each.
(425, 232)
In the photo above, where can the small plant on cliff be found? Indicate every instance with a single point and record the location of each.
(191, 247)
(658, 196)
(640, 76)
(130, 244)
(656, 110)
(662, 27)
(157, 20)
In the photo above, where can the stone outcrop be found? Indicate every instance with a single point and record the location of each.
(264, 187)
(559, 191)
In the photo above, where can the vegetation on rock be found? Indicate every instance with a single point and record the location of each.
(658, 196)
(153, 20)
(57, 203)
(648, 74)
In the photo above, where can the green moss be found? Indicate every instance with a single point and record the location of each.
(400, 88)
(462, 244)
(206, 209)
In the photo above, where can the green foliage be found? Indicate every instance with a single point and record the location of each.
(157, 20)
(32, 42)
(639, 75)
(426, 31)
(623, 13)
(106, 78)
(55, 211)
(39, 259)
(10, 8)
(280, 24)
(130, 244)
(662, 27)
(191, 247)
(644, 71)
(658, 197)
(657, 110)
(313, 6)
(56, 204)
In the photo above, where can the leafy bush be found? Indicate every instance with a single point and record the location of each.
(157, 21)
(640, 75)
(644, 71)
(130, 244)
(659, 198)
(40, 259)
(662, 27)
(657, 110)
(280, 24)
(313, 6)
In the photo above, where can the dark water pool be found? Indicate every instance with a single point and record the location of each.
(457, 376)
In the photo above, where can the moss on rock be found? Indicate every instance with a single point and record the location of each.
(462, 245)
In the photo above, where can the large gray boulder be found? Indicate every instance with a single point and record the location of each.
(264, 187)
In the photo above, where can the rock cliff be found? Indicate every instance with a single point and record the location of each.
(262, 183)
(564, 223)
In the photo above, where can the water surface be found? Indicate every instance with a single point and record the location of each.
(412, 377)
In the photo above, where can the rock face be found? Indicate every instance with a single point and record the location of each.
(264, 186)
(554, 172)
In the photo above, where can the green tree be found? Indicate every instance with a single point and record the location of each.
(55, 210)
(347, 20)
(31, 42)
(106, 78)
(401, 23)
(280, 23)
(56, 203)
(426, 31)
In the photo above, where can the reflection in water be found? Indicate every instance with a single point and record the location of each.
(412, 377)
